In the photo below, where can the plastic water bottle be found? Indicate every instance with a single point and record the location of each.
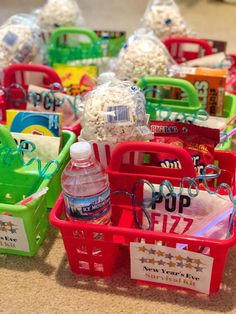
(85, 187)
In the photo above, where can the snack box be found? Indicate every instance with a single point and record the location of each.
(210, 86)
(38, 123)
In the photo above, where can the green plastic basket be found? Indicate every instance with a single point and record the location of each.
(111, 42)
(67, 45)
(24, 227)
(190, 105)
(229, 112)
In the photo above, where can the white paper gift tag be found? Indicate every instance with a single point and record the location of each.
(171, 266)
(12, 234)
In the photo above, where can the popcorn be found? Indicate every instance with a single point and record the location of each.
(56, 13)
(165, 20)
(115, 112)
(19, 40)
(144, 55)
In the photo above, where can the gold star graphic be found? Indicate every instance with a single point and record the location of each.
(9, 223)
(142, 248)
(171, 264)
(179, 258)
(160, 253)
(189, 265)
(198, 262)
(151, 261)
(189, 260)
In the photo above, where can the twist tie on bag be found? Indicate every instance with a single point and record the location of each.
(192, 191)
(125, 46)
(43, 171)
(168, 21)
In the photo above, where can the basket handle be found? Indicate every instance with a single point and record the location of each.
(9, 72)
(184, 85)
(182, 155)
(8, 145)
(188, 40)
(6, 140)
(61, 31)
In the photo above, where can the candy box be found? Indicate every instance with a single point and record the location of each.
(210, 86)
(77, 79)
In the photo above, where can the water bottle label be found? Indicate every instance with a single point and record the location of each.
(92, 207)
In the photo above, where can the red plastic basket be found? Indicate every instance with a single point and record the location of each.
(25, 74)
(80, 239)
(185, 48)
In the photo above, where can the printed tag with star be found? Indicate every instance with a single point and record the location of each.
(171, 266)
(12, 234)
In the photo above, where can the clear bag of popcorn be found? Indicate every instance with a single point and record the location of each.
(56, 13)
(114, 112)
(20, 40)
(53, 14)
(143, 55)
(163, 17)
